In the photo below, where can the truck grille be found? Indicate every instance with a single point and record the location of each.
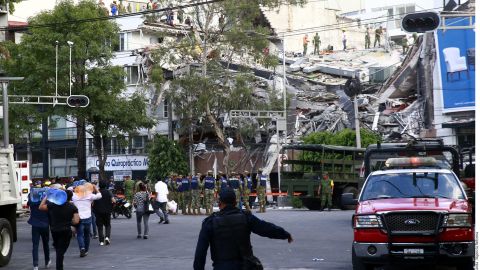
(408, 223)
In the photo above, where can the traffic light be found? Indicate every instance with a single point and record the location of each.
(420, 22)
(78, 101)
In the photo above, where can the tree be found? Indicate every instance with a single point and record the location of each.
(11, 4)
(221, 32)
(110, 112)
(165, 157)
(345, 137)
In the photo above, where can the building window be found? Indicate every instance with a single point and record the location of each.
(124, 39)
(132, 74)
(165, 108)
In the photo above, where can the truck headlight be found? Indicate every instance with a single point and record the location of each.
(458, 220)
(368, 221)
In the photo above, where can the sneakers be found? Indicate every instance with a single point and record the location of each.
(48, 264)
(166, 222)
(35, 268)
(83, 253)
(145, 237)
(107, 241)
(95, 236)
(139, 236)
(102, 243)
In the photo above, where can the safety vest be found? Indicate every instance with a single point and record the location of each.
(263, 180)
(209, 182)
(194, 183)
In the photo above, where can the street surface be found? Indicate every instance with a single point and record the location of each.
(325, 236)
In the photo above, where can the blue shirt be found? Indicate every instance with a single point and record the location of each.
(263, 180)
(223, 183)
(185, 185)
(194, 183)
(249, 183)
(37, 218)
(209, 182)
(234, 183)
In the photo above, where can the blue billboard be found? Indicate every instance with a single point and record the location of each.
(456, 55)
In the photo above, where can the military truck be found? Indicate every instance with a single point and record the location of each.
(9, 198)
(305, 164)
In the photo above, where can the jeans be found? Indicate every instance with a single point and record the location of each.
(38, 232)
(94, 225)
(145, 217)
(344, 45)
(61, 241)
(83, 233)
(163, 215)
(103, 220)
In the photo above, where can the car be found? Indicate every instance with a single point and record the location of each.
(412, 212)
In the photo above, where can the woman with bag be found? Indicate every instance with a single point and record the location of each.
(141, 202)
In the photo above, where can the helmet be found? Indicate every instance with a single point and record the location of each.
(47, 183)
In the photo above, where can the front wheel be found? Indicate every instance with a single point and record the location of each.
(128, 214)
(358, 264)
(6, 242)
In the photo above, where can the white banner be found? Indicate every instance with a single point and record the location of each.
(121, 163)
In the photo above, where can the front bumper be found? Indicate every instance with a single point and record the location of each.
(414, 251)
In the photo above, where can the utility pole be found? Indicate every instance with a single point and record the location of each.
(5, 81)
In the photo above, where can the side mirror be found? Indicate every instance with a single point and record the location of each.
(348, 199)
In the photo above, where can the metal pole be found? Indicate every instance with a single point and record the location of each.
(284, 81)
(70, 82)
(56, 68)
(279, 165)
(6, 140)
(357, 123)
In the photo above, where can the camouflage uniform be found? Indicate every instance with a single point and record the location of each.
(186, 196)
(209, 192)
(261, 191)
(195, 184)
(326, 192)
(234, 183)
(247, 187)
(178, 184)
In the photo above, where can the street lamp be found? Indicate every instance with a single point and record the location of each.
(70, 44)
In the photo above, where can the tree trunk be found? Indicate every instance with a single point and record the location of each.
(220, 137)
(98, 141)
(81, 149)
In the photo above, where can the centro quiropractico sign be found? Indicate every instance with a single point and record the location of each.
(119, 163)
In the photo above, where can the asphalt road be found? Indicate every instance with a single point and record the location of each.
(322, 240)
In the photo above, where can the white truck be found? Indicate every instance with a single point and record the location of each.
(22, 173)
(10, 196)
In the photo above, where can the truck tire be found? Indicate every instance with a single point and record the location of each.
(466, 265)
(358, 264)
(350, 189)
(6, 242)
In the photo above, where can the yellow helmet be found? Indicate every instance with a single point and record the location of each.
(47, 183)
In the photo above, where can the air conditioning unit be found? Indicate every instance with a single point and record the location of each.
(380, 74)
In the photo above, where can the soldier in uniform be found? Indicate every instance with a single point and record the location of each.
(187, 196)
(129, 189)
(247, 187)
(195, 185)
(180, 193)
(234, 183)
(367, 38)
(325, 190)
(209, 192)
(404, 44)
(222, 181)
(261, 190)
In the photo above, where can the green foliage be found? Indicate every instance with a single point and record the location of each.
(296, 202)
(344, 137)
(165, 156)
(11, 4)
(110, 112)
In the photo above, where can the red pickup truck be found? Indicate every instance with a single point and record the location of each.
(412, 212)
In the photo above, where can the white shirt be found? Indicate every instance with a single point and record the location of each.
(84, 204)
(162, 191)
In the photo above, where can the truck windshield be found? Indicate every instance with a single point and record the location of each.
(412, 185)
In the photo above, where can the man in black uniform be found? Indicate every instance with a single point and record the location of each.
(228, 234)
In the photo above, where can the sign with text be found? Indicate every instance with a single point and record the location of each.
(121, 163)
(456, 59)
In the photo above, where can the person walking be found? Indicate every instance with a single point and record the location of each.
(102, 209)
(209, 192)
(83, 202)
(61, 218)
(247, 187)
(161, 200)
(344, 40)
(316, 44)
(378, 34)
(367, 38)
(195, 185)
(129, 189)
(325, 190)
(305, 44)
(140, 201)
(40, 229)
(227, 233)
(261, 190)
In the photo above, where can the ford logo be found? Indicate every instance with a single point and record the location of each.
(412, 221)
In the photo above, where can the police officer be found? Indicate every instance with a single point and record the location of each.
(228, 233)
(325, 190)
(195, 185)
(222, 181)
(234, 183)
(209, 192)
(187, 195)
(247, 187)
(261, 190)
